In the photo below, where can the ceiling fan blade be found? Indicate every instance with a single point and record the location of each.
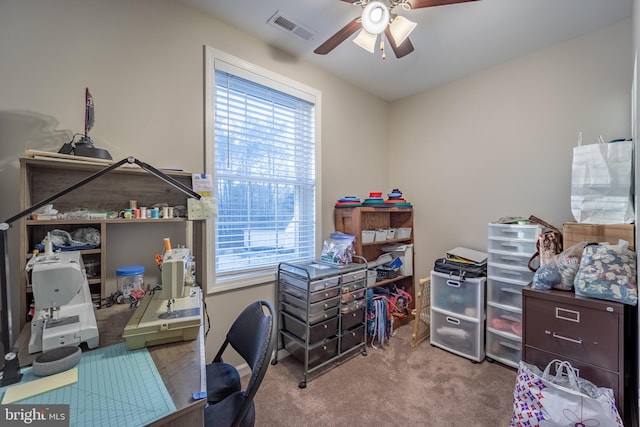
(344, 33)
(418, 4)
(404, 49)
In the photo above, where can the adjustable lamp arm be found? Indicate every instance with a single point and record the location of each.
(11, 372)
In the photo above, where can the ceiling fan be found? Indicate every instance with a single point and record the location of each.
(378, 17)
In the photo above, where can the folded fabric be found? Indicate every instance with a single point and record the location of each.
(608, 272)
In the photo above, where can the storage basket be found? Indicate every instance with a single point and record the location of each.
(422, 322)
(403, 233)
(368, 236)
(385, 273)
(381, 235)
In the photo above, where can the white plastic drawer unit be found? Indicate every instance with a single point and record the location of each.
(514, 231)
(506, 320)
(509, 259)
(517, 274)
(457, 334)
(512, 245)
(460, 297)
(503, 347)
(505, 292)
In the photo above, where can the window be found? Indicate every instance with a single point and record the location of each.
(263, 161)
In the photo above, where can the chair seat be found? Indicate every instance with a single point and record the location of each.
(223, 379)
(223, 413)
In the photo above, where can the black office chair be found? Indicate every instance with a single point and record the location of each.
(253, 336)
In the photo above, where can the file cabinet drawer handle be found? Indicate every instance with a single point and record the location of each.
(577, 341)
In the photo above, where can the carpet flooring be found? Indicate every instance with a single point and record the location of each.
(395, 385)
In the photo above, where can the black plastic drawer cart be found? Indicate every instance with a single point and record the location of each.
(322, 313)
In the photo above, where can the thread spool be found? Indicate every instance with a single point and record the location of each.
(167, 244)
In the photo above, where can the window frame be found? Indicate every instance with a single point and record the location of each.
(276, 81)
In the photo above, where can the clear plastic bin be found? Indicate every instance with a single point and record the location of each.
(504, 292)
(456, 296)
(129, 279)
(514, 231)
(457, 335)
(504, 348)
(519, 274)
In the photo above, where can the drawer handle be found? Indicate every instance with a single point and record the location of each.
(453, 320)
(453, 283)
(577, 341)
(510, 273)
(565, 314)
(508, 245)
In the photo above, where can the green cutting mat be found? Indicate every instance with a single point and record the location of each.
(116, 387)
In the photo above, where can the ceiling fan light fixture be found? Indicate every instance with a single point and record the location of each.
(366, 40)
(375, 17)
(400, 29)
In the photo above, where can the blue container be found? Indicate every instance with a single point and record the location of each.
(130, 278)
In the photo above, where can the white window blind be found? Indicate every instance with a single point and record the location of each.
(264, 172)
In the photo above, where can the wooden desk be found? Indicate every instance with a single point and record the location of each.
(181, 364)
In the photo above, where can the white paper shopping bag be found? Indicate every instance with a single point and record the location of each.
(602, 183)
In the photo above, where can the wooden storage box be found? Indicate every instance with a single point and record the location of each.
(574, 232)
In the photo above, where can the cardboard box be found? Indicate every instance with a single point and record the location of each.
(574, 232)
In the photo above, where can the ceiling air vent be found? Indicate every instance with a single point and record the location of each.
(287, 24)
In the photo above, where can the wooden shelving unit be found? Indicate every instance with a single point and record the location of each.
(353, 220)
(41, 179)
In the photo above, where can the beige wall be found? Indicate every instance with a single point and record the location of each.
(499, 143)
(494, 144)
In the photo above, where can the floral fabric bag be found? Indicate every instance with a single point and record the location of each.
(564, 399)
(608, 272)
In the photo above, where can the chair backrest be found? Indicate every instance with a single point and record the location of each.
(253, 336)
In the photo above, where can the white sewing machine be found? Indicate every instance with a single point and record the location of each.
(172, 314)
(63, 309)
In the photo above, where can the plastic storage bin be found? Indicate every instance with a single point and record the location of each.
(317, 332)
(509, 259)
(503, 347)
(130, 278)
(514, 231)
(501, 291)
(368, 236)
(504, 320)
(516, 273)
(317, 353)
(512, 245)
(457, 335)
(381, 235)
(455, 296)
(351, 338)
(403, 233)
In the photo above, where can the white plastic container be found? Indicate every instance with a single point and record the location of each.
(381, 235)
(371, 277)
(368, 236)
(391, 233)
(403, 233)
(460, 335)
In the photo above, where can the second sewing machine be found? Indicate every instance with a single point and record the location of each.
(173, 313)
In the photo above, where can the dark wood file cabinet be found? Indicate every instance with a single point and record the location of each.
(597, 337)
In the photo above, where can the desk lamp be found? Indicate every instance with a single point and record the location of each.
(11, 371)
